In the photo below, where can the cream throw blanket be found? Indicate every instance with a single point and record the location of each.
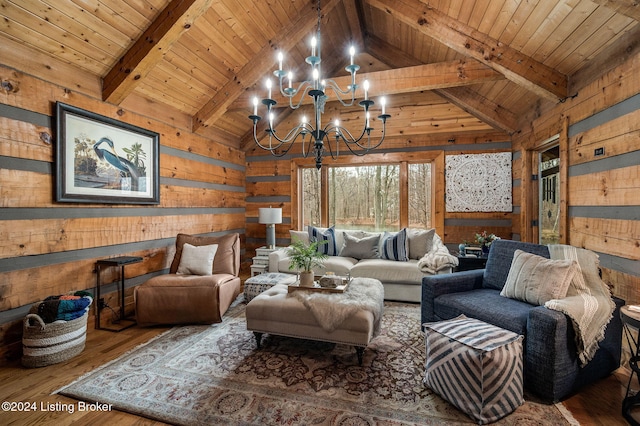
(331, 309)
(588, 302)
(437, 259)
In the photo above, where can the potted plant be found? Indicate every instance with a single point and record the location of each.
(485, 239)
(303, 258)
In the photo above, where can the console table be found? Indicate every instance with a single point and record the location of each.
(121, 323)
(468, 263)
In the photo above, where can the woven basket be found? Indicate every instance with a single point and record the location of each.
(46, 344)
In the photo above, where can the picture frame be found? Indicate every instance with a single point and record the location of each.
(103, 160)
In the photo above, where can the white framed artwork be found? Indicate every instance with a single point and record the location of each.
(479, 182)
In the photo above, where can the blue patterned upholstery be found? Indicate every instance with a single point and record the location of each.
(551, 366)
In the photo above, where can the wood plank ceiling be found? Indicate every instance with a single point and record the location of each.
(447, 67)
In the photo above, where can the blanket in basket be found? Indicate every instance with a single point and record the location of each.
(45, 343)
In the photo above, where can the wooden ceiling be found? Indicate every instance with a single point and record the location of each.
(446, 67)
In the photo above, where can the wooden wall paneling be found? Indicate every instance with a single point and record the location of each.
(563, 175)
(25, 140)
(186, 169)
(617, 136)
(32, 237)
(612, 236)
(616, 187)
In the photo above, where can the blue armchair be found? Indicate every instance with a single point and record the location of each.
(551, 367)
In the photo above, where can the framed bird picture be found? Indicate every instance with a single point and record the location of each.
(103, 160)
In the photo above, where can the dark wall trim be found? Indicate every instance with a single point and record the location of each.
(19, 114)
(615, 111)
(606, 212)
(629, 159)
(503, 223)
(89, 212)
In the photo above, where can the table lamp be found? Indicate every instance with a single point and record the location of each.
(270, 216)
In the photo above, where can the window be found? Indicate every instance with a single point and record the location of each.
(367, 197)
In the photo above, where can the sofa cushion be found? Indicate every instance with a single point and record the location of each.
(486, 305)
(197, 260)
(536, 280)
(395, 246)
(388, 271)
(360, 248)
(420, 242)
(328, 235)
(227, 258)
(500, 257)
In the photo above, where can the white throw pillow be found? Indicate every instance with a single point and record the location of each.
(197, 260)
(301, 236)
(536, 280)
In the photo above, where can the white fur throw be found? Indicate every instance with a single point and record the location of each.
(437, 259)
(331, 309)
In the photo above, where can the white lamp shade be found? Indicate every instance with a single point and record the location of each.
(269, 215)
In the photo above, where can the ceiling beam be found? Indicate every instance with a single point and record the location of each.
(263, 60)
(355, 23)
(482, 108)
(150, 48)
(403, 80)
(521, 69)
(463, 97)
(629, 8)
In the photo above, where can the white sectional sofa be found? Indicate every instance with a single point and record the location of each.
(369, 255)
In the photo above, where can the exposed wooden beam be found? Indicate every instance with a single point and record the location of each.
(405, 80)
(463, 97)
(630, 8)
(249, 74)
(150, 48)
(480, 107)
(355, 23)
(521, 69)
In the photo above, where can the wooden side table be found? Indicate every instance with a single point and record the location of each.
(121, 323)
(631, 320)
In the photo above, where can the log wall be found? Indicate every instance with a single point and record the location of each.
(49, 248)
(602, 192)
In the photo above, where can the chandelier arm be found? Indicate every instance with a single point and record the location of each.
(257, 141)
(290, 94)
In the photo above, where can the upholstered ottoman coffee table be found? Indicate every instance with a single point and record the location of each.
(475, 366)
(351, 318)
(257, 284)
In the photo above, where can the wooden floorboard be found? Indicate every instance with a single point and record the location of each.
(598, 404)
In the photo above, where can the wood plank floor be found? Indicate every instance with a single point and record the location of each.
(598, 404)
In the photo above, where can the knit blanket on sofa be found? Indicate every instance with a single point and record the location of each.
(437, 259)
(331, 309)
(588, 302)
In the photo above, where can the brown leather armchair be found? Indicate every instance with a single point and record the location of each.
(192, 299)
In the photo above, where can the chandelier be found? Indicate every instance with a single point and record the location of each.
(320, 138)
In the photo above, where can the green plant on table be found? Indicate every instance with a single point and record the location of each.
(305, 256)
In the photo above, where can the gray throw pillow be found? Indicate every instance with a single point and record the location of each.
(420, 242)
(360, 248)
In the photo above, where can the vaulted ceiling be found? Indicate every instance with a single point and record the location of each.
(446, 67)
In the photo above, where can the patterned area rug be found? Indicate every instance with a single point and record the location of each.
(215, 375)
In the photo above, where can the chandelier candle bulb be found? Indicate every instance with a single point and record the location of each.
(366, 90)
(280, 59)
(314, 42)
(255, 105)
(290, 79)
(269, 88)
(383, 102)
(352, 51)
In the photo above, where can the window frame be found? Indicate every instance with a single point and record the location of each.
(436, 158)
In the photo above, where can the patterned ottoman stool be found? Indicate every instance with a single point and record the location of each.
(475, 366)
(257, 284)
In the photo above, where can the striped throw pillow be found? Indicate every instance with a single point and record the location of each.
(395, 246)
(328, 235)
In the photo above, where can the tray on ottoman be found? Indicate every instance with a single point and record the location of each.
(475, 366)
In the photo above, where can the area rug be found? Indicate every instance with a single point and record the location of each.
(214, 374)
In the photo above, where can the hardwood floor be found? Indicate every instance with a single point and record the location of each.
(598, 404)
